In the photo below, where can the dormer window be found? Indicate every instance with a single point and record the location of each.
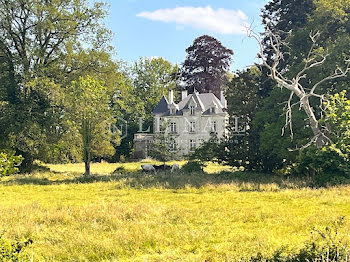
(172, 111)
(192, 110)
(213, 110)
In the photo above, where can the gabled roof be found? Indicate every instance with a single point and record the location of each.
(204, 102)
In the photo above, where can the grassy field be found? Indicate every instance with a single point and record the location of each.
(132, 216)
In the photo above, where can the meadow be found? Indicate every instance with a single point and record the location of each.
(220, 215)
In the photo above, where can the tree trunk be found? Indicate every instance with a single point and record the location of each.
(320, 139)
(87, 168)
(27, 164)
(86, 146)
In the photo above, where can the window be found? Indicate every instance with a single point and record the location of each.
(173, 145)
(172, 127)
(192, 110)
(213, 126)
(192, 144)
(192, 126)
(172, 111)
(212, 110)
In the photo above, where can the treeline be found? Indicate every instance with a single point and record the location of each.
(310, 42)
(61, 88)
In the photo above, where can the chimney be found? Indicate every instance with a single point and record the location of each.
(171, 96)
(183, 94)
(223, 99)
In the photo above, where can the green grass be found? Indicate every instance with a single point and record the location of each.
(132, 216)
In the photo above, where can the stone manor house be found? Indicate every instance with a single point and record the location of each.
(189, 122)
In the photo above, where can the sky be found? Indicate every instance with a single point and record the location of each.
(165, 28)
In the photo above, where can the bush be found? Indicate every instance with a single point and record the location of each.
(9, 164)
(326, 245)
(330, 179)
(192, 166)
(334, 157)
(13, 251)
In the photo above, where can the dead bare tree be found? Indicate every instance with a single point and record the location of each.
(303, 93)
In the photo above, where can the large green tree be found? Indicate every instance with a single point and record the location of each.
(143, 85)
(152, 78)
(206, 65)
(38, 40)
(89, 116)
(244, 95)
(314, 74)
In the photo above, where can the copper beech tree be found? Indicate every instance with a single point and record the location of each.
(303, 91)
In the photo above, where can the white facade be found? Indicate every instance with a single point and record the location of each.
(192, 121)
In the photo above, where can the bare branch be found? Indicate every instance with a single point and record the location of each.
(313, 59)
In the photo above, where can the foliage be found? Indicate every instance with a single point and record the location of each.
(261, 146)
(338, 119)
(333, 158)
(265, 148)
(192, 167)
(89, 115)
(9, 164)
(276, 148)
(164, 147)
(39, 45)
(326, 245)
(127, 107)
(208, 151)
(140, 89)
(13, 251)
(152, 78)
(205, 66)
(244, 98)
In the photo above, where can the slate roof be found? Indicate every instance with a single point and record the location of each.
(204, 101)
(162, 106)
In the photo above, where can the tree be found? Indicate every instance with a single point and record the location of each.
(98, 64)
(37, 42)
(89, 115)
(315, 58)
(205, 66)
(142, 85)
(152, 78)
(208, 151)
(244, 98)
(268, 122)
(332, 159)
(164, 147)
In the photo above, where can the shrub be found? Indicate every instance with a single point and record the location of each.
(334, 157)
(122, 159)
(13, 250)
(326, 245)
(192, 166)
(9, 164)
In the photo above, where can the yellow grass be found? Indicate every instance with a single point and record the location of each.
(163, 217)
(107, 168)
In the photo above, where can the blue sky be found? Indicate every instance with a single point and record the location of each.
(165, 28)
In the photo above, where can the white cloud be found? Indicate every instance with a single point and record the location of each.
(223, 21)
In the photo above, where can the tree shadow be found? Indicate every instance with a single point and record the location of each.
(242, 181)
